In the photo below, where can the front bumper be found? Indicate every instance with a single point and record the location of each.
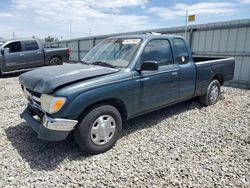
(47, 128)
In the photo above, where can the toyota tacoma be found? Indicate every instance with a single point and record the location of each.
(119, 79)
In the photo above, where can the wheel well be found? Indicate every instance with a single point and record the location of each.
(117, 103)
(219, 77)
(56, 56)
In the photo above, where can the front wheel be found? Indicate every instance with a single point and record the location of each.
(99, 129)
(212, 94)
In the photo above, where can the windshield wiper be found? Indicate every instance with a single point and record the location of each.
(102, 63)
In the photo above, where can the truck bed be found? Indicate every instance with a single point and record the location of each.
(203, 59)
(210, 67)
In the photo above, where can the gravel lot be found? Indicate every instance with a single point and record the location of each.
(185, 145)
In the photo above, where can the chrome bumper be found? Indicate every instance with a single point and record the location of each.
(58, 124)
(47, 128)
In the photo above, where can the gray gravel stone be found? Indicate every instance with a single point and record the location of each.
(185, 145)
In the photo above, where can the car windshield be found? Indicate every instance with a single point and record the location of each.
(115, 52)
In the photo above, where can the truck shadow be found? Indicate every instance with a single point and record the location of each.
(47, 156)
(155, 117)
(42, 155)
(12, 75)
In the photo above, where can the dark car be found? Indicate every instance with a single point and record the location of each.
(20, 54)
(121, 78)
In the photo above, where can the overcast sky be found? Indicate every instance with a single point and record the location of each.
(41, 18)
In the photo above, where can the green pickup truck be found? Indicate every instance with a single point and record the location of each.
(121, 78)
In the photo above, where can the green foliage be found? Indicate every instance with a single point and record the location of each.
(51, 39)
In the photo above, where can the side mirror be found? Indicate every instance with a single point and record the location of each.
(183, 58)
(148, 65)
(5, 51)
(2, 51)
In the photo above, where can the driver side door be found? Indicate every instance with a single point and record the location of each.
(159, 87)
(14, 57)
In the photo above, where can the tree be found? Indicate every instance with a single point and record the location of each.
(51, 39)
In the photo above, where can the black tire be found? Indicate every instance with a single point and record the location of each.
(55, 61)
(83, 133)
(1, 74)
(207, 99)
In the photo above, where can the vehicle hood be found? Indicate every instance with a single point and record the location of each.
(47, 79)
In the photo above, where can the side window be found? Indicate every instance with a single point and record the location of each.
(30, 45)
(158, 50)
(180, 47)
(14, 47)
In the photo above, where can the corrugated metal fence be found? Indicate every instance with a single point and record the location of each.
(221, 39)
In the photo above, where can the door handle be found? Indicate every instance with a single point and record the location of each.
(174, 74)
(143, 79)
(22, 54)
(39, 52)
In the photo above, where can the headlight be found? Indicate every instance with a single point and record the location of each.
(52, 104)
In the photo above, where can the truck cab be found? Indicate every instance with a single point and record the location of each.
(176, 71)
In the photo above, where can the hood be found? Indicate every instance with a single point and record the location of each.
(47, 79)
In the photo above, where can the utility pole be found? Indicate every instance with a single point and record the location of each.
(14, 36)
(186, 24)
(70, 28)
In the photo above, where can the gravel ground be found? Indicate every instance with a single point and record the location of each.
(185, 145)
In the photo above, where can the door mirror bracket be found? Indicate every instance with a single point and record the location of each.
(2, 51)
(148, 65)
(5, 51)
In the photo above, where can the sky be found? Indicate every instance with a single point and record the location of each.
(80, 18)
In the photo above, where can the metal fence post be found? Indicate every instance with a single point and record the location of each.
(78, 50)
(191, 37)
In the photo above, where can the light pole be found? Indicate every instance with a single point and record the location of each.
(186, 24)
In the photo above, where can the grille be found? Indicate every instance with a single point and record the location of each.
(33, 93)
(33, 96)
(37, 102)
(37, 112)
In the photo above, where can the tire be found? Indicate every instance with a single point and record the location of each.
(1, 74)
(55, 61)
(212, 94)
(99, 129)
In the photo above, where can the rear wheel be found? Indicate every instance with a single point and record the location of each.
(55, 61)
(212, 94)
(99, 129)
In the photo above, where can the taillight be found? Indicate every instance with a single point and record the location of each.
(68, 51)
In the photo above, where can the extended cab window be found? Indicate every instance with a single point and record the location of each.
(158, 50)
(14, 47)
(30, 45)
(180, 47)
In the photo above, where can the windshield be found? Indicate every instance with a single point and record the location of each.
(116, 52)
